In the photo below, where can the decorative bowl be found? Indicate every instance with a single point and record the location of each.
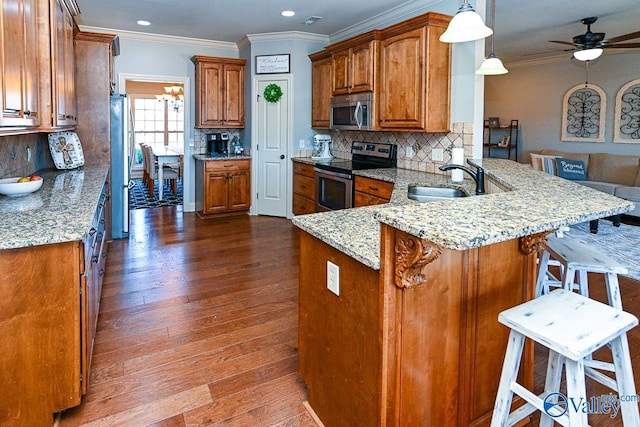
(11, 186)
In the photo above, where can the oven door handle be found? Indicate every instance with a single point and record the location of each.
(331, 174)
(357, 115)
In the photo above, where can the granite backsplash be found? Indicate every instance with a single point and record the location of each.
(14, 158)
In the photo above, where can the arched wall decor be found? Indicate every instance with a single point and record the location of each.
(584, 108)
(627, 121)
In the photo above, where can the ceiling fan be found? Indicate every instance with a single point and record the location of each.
(589, 45)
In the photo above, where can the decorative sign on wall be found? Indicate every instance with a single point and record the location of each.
(627, 124)
(272, 64)
(584, 108)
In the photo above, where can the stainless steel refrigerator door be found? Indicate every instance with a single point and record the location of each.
(119, 166)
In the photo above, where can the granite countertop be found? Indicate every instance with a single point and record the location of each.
(536, 202)
(207, 157)
(60, 211)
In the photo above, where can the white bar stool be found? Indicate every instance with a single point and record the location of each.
(572, 327)
(573, 256)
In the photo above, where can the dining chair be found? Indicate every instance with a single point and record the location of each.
(169, 174)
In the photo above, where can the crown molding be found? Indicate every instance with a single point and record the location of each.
(385, 19)
(158, 38)
(284, 36)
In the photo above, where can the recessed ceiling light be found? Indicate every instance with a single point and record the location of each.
(287, 13)
(143, 23)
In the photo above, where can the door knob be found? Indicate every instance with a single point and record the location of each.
(281, 156)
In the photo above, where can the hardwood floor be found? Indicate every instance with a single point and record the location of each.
(198, 326)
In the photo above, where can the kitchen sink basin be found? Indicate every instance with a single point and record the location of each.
(433, 194)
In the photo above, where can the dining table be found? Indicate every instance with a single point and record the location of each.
(165, 155)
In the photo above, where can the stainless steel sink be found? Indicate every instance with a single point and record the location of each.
(433, 194)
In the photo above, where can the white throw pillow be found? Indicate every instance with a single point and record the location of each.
(66, 150)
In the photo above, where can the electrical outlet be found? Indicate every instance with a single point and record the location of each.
(410, 152)
(301, 143)
(437, 155)
(333, 278)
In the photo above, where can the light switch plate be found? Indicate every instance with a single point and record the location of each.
(333, 278)
(301, 143)
(410, 152)
(437, 155)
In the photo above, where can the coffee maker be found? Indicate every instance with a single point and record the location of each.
(217, 144)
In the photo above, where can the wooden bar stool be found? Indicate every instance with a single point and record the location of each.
(574, 257)
(572, 327)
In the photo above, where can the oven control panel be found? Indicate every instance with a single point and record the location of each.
(374, 149)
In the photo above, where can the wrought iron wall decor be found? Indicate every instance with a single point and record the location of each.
(627, 122)
(584, 110)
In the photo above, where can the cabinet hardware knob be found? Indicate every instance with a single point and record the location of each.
(374, 188)
(27, 113)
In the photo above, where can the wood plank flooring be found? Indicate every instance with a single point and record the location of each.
(198, 326)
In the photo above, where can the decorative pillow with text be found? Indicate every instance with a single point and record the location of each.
(571, 169)
(66, 150)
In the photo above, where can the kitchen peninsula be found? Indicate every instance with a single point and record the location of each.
(413, 337)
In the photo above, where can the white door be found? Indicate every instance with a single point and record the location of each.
(272, 136)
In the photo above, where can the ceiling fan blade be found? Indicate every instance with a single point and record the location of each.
(622, 46)
(624, 37)
(561, 42)
(547, 51)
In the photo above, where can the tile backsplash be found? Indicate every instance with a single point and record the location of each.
(14, 157)
(415, 149)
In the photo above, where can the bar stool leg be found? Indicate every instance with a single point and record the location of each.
(542, 274)
(576, 392)
(624, 380)
(509, 375)
(552, 383)
(613, 290)
(583, 283)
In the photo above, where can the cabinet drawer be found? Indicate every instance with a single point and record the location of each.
(304, 186)
(364, 199)
(302, 205)
(226, 165)
(374, 187)
(303, 169)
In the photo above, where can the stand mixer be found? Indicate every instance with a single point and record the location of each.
(321, 145)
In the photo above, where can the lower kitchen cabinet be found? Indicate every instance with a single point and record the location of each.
(223, 187)
(49, 305)
(304, 189)
(370, 191)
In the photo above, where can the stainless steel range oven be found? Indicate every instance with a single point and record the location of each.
(334, 179)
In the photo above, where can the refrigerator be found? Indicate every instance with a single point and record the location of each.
(122, 147)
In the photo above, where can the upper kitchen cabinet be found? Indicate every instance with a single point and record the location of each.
(19, 67)
(57, 64)
(219, 92)
(321, 67)
(353, 64)
(414, 68)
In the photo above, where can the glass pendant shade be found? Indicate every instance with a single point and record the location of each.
(587, 54)
(492, 66)
(465, 26)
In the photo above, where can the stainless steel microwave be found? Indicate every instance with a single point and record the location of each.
(352, 112)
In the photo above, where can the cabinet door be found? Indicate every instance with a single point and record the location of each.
(210, 94)
(239, 190)
(19, 63)
(362, 67)
(63, 67)
(321, 93)
(401, 98)
(216, 192)
(340, 61)
(233, 96)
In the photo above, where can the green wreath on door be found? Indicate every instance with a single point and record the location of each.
(272, 93)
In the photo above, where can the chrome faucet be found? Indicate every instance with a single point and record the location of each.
(477, 175)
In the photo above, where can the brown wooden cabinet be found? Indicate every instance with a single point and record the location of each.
(414, 91)
(219, 92)
(304, 189)
(20, 104)
(321, 81)
(353, 68)
(369, 191)
(222, 187)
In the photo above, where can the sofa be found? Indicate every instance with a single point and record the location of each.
(611, 173)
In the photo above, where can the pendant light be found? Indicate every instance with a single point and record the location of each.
(492, 65)
(465, 26)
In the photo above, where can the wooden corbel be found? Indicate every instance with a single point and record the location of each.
(412, 254)
(534, 242)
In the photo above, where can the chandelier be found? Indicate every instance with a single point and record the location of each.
(174, 95)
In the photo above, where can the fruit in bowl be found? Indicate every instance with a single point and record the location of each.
(20, 185)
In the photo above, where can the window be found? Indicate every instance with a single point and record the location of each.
(159, 122)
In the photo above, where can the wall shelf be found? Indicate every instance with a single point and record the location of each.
(503, 137)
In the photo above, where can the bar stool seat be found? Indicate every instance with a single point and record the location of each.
(574, 257)
(572, 327)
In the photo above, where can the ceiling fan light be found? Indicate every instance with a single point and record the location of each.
(492, 66)
(465, 26)
(587, 54)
